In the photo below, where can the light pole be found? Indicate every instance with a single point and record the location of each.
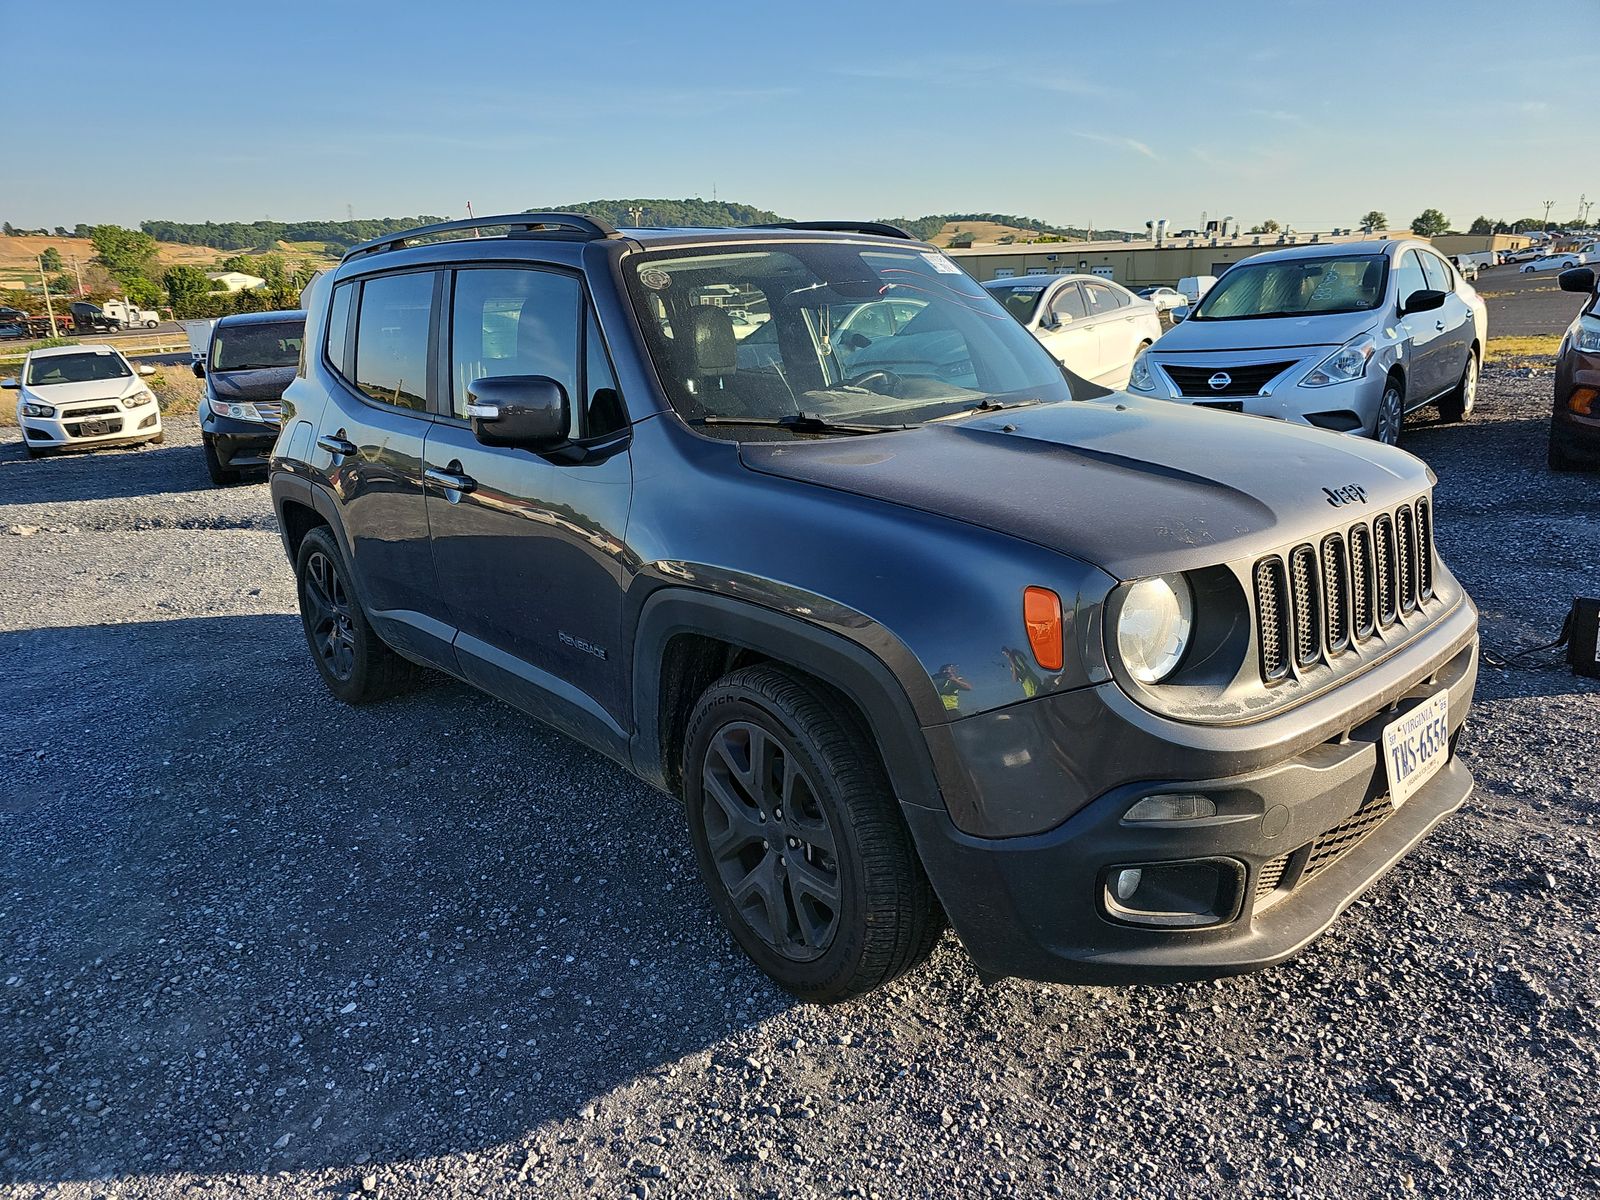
(49, 308)
(1548, 205)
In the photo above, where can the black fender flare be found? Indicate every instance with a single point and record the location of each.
(882, 697)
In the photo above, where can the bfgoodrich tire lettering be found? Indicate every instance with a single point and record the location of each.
(799, 837)
(352, 660)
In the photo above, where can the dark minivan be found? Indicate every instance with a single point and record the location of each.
(798, 525)
(250, 360)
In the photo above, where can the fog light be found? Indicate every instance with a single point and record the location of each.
(1582, 401)
(1177, 807)
(1175, 895)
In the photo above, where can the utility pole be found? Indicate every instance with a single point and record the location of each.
(78, 271)
(49, 308)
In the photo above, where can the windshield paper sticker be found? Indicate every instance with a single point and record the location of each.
(942, 264)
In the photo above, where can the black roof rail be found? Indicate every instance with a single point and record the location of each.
(880, 228)
(588, 228)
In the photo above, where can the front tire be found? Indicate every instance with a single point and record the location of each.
(351, 658)
(220, 475)
(799, 837)
(1457, 405)
(1391, 413)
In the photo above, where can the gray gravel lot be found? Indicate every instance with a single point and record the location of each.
(255, 943)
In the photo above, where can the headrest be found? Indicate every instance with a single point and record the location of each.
(713, 348)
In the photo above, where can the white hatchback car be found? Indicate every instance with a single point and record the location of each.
(78, 397)
(1556, 262)
(1094, 327)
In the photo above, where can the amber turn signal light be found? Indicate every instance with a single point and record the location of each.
(1582, 401)
(1041, 612)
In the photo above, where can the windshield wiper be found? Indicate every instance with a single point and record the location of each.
(799, 423)
(986, 406)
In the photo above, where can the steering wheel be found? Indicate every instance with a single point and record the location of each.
(885, 383)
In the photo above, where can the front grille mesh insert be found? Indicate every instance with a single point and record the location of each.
(1318, 602)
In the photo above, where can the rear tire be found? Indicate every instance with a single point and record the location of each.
(1458, 404)
(350, 656)
(799, 837)
(220, 475)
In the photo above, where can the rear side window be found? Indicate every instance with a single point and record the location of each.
(1437, 273)
(339, 327)
(514, 321)
(392, 339)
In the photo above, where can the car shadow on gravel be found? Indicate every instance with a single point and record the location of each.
(246, 928)
(110, 474)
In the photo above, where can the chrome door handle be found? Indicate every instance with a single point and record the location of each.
(336, 445)
(450, 481)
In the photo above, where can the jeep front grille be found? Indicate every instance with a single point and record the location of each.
(1319, 601)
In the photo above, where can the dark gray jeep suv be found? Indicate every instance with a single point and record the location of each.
(797, 524)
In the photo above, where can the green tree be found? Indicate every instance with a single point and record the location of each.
(50, 260)
(143, 291)
(1376, 219)
(128, 254)
(1481, 226)
(1430, 222)
(186, 288)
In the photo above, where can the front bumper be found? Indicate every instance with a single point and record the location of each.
(74, 426)
(1307, 832)
(1574, 433)
(1350, 407)
(238, 443)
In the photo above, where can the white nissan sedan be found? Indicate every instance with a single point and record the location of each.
(79, 397)
(1094, 327)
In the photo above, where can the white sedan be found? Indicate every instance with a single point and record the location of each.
(1164, 298)
(1094, 327)
(1555, 262)
(72, 397)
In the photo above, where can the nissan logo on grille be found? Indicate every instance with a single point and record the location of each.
(1219, 381)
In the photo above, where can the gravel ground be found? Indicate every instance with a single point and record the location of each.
(258, 944)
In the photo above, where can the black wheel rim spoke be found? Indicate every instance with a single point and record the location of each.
(771, 840)
(327, 616)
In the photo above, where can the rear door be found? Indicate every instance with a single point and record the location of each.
(1067, 332)
(1117, 329)
(528, 548)
(370, 446)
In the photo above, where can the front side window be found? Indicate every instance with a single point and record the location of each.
(514, 321)
(1436, 273)
(1068, 304)
(76, 368)
(1295, 287)
(253, 346)
(1101, 298)
(1409, 278)
(847, 333)
(392, 339)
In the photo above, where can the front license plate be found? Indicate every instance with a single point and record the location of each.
(1415, 746)
(91, 429)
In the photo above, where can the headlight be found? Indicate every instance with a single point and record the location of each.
(30, 409)
(1344, 364)
(139, 398)
(1154, 625)
(1142, 379)
(239, 411)
(1587, 338)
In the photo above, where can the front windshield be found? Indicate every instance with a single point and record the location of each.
(1296, 287)
(839, 332)
(242, 347)
(76, 368)
(1020, 299)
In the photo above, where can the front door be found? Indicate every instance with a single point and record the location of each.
(1066, 331)
(1424, 334)
(370, 443)
(528, 549)
(1455, 341)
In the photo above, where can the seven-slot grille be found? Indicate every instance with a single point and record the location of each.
(1319, 600)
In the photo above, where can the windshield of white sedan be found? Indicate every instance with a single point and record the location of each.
(836, 334)
(1296, 288)
(75, 368)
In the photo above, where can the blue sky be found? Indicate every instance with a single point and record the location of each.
(1074, 111)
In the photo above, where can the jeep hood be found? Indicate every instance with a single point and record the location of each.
(1133, 486)
(263, 383)
(1271, 333)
